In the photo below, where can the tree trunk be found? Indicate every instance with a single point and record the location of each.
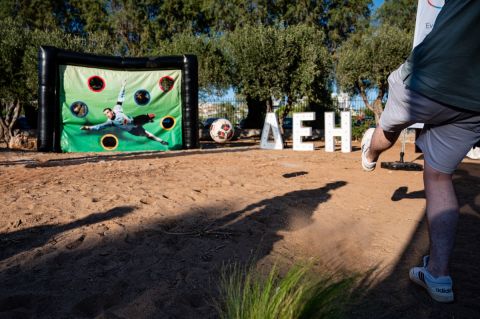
(31, 114)
(269, 105)
(9, 112)
(376, 107)
(283, 116)
(256, 113)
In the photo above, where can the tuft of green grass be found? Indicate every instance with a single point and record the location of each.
(247, 294)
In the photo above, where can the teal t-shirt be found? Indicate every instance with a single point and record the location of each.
(446, 65)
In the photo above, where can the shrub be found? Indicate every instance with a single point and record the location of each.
(358, 129)
(299, 294)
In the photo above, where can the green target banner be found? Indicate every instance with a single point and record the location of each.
(107, 110)
(91, 103)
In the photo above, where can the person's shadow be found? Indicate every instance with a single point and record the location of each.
(174, 265)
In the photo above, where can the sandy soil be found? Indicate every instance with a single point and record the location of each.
(145, 235)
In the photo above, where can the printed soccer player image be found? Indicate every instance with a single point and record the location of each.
(118, 119)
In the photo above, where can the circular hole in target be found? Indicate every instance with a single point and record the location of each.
(168, 122)
(109, 142)
(79, 109)
(166, 83)
(142, 97)
(96, 83)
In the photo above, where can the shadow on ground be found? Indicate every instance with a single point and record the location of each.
(168, 269)
(397, 297)
(16, 242)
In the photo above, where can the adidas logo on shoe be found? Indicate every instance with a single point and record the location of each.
(443, 291)
(440, 288)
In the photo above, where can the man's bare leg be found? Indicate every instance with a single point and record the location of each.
(442, 217)
(381, 141)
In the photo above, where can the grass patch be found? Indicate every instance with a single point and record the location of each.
(300, 293)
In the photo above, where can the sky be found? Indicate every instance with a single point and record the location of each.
(377, 3)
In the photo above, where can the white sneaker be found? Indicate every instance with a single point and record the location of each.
(474, 153)
(366, 140)
(440, 288)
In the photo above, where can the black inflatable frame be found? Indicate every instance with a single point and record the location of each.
(49, 60)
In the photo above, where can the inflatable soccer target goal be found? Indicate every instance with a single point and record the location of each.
(90, 103)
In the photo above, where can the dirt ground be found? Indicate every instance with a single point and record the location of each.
(145, 235)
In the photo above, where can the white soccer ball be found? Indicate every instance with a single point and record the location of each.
(221, 130)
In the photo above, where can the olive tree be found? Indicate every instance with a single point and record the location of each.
(289, 63)
(12, 87)
(399, 13)
(213, 77)
(19, 67)
(366, 59)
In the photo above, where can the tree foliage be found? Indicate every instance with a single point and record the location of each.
(213, 69)
(398, 13)
(139, 28)
(288, 63)
(87, 16)
(18, 65)
(37, 14)
(366, 59)
(336, 18)
(137, 25)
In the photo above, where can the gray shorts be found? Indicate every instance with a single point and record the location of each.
(448, 134)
